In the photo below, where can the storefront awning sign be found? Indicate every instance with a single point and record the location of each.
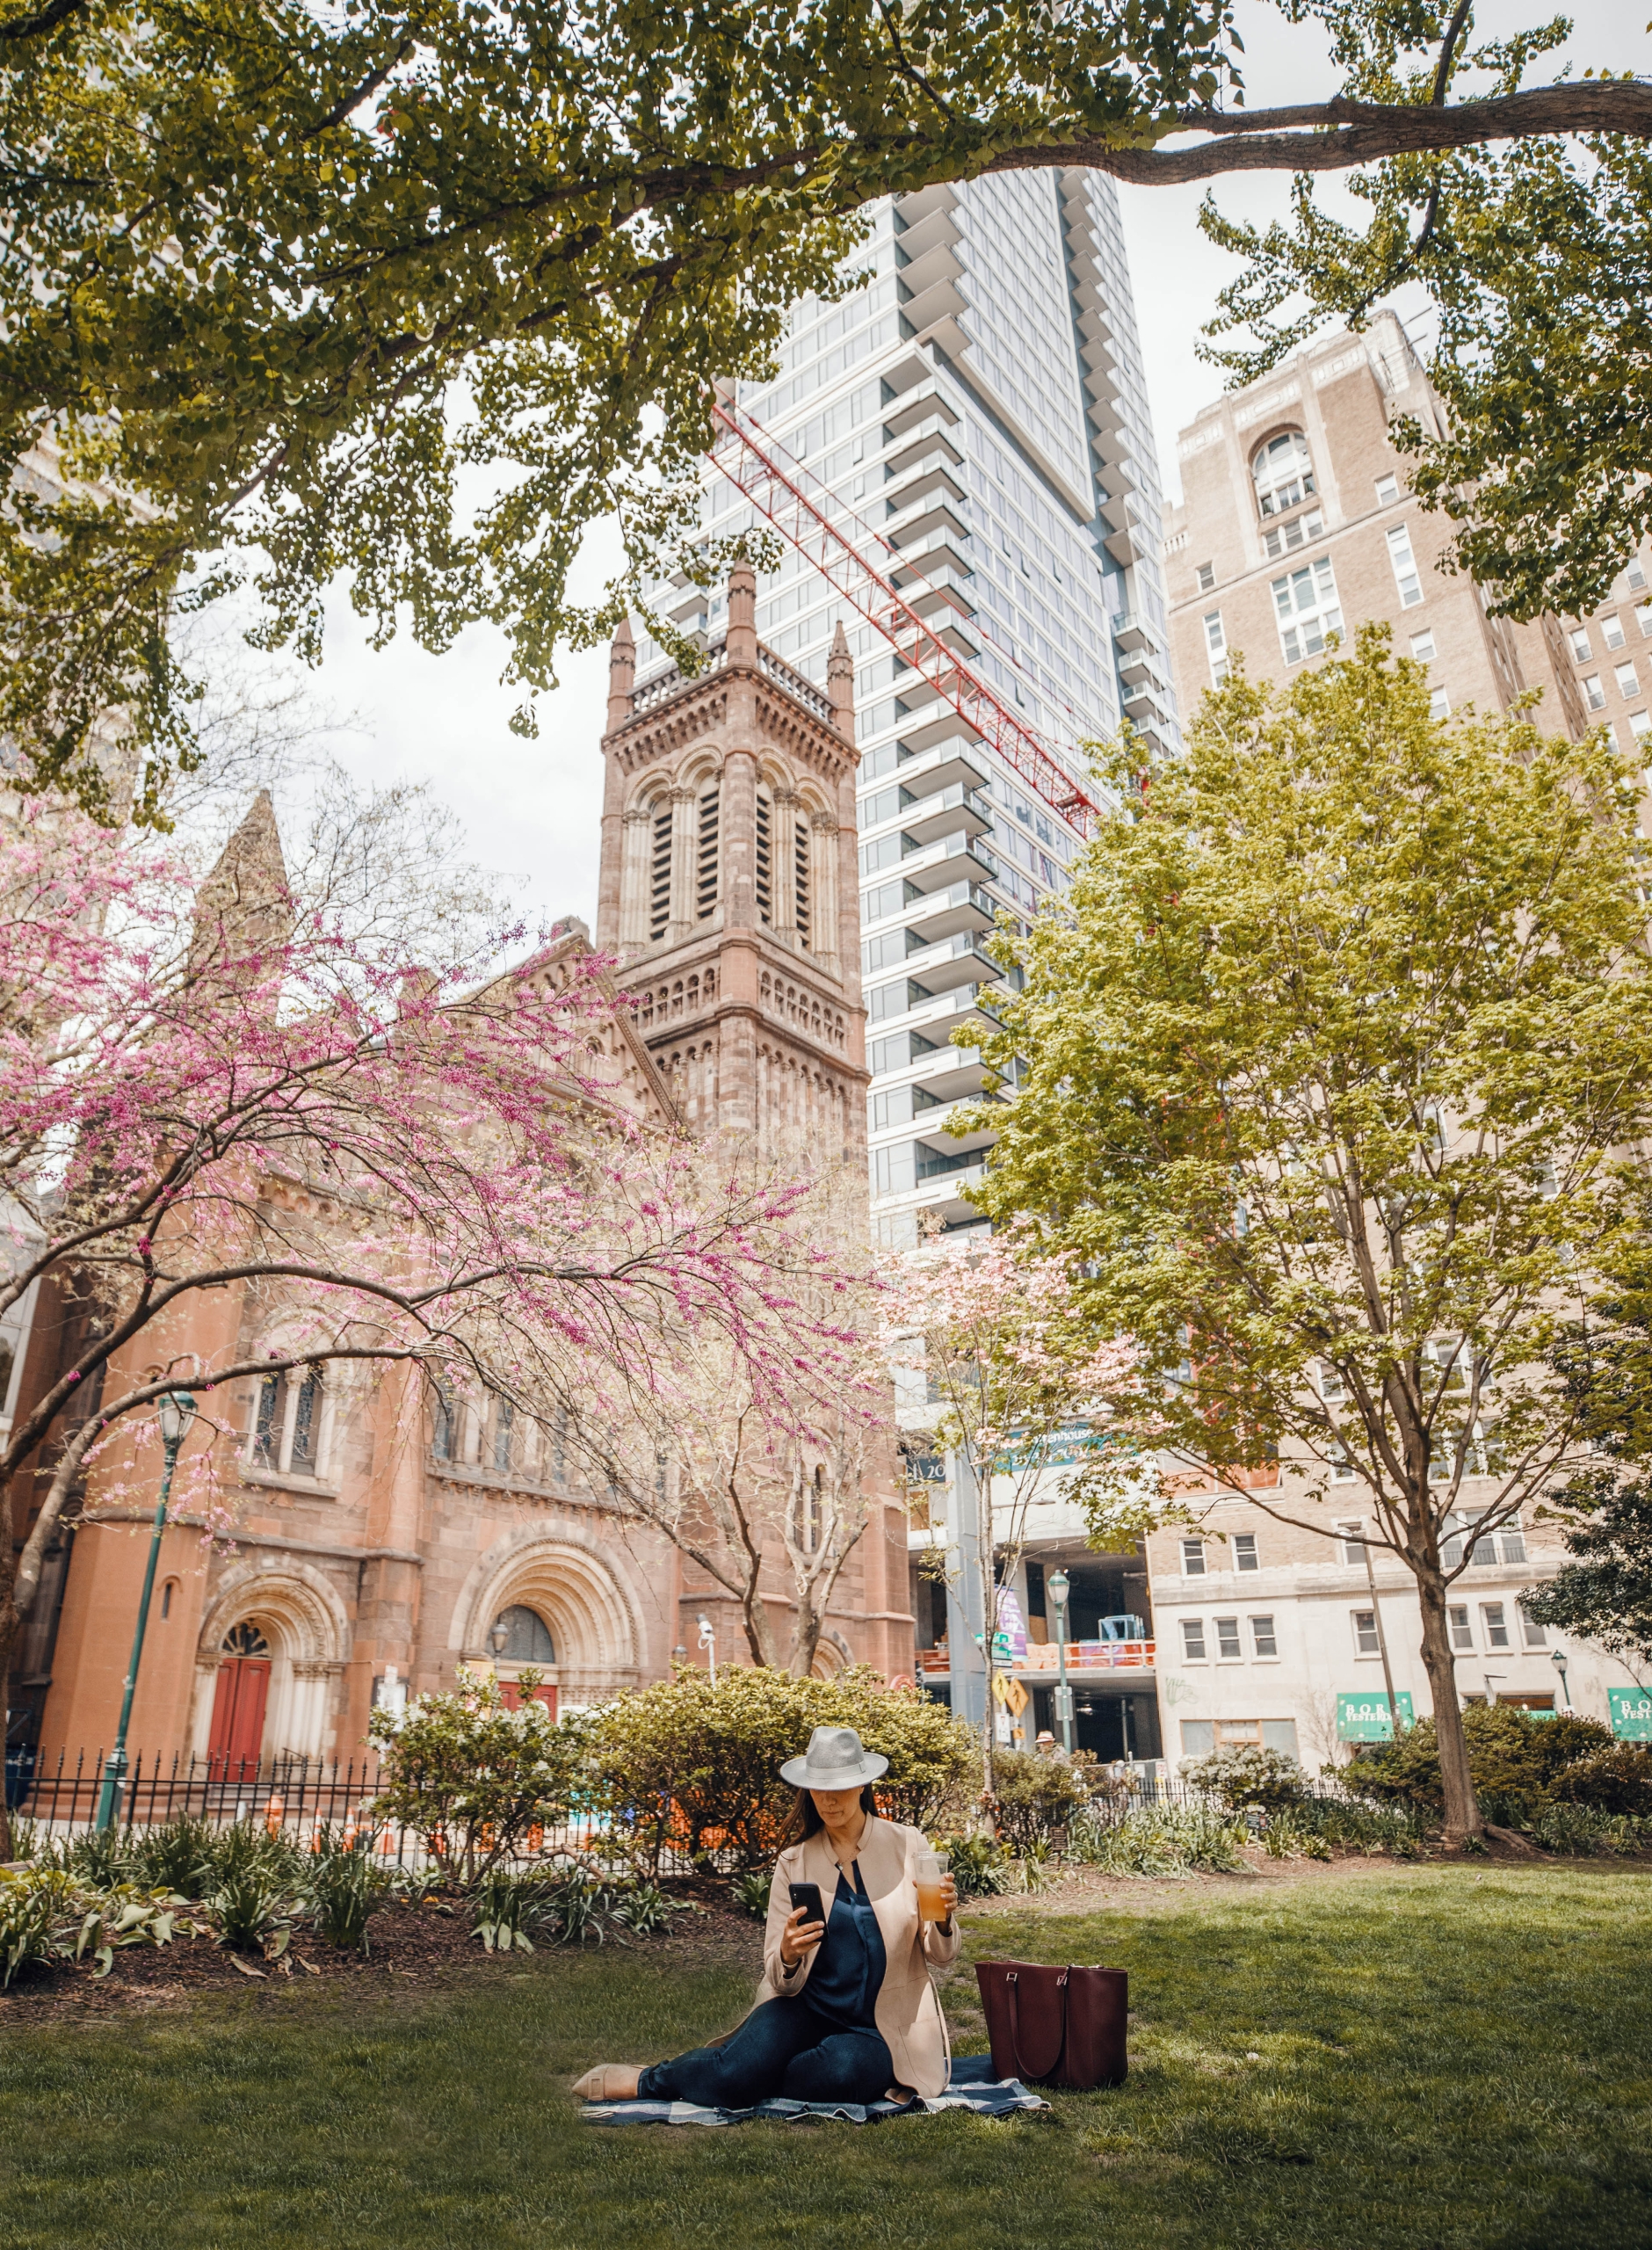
(1367, 1717)
(1631, 1710)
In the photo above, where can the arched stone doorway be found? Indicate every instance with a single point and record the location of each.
(578, 1599)
(272, 1647)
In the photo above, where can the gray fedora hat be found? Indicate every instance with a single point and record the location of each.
(836, 1759)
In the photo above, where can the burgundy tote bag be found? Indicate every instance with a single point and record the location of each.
(1055, 2027)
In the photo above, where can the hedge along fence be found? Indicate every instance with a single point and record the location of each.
(684, 1770)
(688, 1768)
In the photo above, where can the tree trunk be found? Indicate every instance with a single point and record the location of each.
(1462, 1807)
(10, 1622)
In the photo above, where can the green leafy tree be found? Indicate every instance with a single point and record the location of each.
(1605, 1593)
(1331, 1055)
(1519, 1763)
(412, 292)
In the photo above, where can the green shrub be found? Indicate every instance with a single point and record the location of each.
(343, 1888)
(1586, 1832)
(980, 1867)
(644, 1910)
(48, 1914)
(252, 1909)
(474, 1779)
(1346, 1825)
(751, 1891)
(33, 1905)
(1515, 1759)
(1238, 1775)
(1161, 1841)
(181, 1856)
(1616, 1778)
(1037, 1799)
(572, 1907)
(690, 1767)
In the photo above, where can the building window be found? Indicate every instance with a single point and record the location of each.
(501, 1452)
(1192, 1640)
(1643, 619)
(1206, 576)
(1405, 572)
(1349, 1546)
(1612, 630)
(1342, 1467)
(1494, 1617)
(1286, 538)
(1227, 1639)
(1580, 649)
(1192, 1558)
(1457, 1619)
(1199, 1737)
(1330, 1385)
(1261, 1636)
(445, 1425)
(1388, 491)
(287, 1423)
(706, 855)
(1244, 1552)
(1628, 685)
(1639, 726)
(1423, 647)
(528, 1636)
(1594, 694)
(169, 1587)
(1440, 703)
(1283, 470)
(1245, 1732)
(1532, 1633)
(1366, 1641)
(1216, 647)
(659, 870)
(1307, 605)
(1636, 573)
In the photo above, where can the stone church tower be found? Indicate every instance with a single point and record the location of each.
(727, 889)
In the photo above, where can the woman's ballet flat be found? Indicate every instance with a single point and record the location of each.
(608, 2082)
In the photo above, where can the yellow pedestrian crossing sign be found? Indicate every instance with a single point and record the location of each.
(1009, 1693)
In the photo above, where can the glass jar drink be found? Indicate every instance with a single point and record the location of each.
(933, 1868)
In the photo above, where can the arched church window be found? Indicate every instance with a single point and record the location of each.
(659, 868)
(287, 1423)
(706, 855)
(766, 857)
(245, 1639)
(1283, 470)
(521, 1635)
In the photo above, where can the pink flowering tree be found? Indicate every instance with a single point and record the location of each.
(990, 1351)
(240, 1139)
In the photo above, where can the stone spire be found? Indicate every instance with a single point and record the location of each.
(622, 670)
(840, 683)
(742, 615)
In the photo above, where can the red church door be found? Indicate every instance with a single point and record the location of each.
(510, 1696)
(238, 1704)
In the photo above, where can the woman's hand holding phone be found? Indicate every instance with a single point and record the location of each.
(800, 1936)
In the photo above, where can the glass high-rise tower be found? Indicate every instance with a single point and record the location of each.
(981, 404)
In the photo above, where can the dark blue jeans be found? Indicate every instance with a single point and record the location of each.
(782, 2047)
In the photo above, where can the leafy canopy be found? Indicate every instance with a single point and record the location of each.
(411, 293)
(1332, 1054)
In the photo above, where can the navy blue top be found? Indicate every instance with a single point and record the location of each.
(848, 1971)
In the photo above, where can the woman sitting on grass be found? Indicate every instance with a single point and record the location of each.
(845, 2011)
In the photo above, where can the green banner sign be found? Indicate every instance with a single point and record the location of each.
(1366, 1718)
(1631, 1713)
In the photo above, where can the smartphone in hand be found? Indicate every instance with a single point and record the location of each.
(807, 1895)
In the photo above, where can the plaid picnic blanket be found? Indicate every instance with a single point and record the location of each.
(971, 2086)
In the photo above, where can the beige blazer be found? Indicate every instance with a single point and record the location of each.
(907, 2009)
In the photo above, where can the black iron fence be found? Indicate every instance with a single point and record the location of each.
(296, 1794)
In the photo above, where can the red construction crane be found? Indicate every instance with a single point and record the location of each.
(854, 563)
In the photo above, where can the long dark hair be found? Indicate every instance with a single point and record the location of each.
(806, 1820)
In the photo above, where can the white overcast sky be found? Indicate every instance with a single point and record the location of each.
(529, 809)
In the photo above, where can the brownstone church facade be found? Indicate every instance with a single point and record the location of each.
(375, 1553)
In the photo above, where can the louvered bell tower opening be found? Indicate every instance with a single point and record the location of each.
(706, 858)
(765, 859)
(659, 872)
(800, 879)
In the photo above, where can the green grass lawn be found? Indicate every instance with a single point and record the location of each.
(1421, 2057)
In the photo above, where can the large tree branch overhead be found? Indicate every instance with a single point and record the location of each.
(1336, 136)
